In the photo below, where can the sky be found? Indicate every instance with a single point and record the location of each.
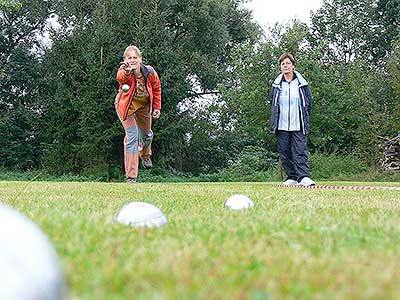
(268, 12)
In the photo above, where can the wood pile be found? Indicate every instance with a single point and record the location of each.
(391, 154)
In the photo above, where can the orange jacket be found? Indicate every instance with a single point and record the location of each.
(123, 99)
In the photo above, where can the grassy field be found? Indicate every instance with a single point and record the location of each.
(294, 243)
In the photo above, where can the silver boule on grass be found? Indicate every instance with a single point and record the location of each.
(125, 87)
(141, 215)
(237, 202)
(29, 265)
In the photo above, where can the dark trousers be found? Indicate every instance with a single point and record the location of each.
(292, 147)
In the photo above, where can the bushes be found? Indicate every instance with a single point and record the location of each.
(43, 176)
(251, 160)
(336, 166)
(256, 165)
(252, 164)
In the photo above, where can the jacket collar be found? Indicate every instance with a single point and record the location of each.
(302, 81)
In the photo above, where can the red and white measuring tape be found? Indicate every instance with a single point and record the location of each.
(341, 187)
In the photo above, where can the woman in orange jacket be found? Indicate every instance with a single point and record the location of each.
(137, 101)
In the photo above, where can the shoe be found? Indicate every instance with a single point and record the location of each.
(146, 162)
(131, 180)
(307, 181)
(290, 182)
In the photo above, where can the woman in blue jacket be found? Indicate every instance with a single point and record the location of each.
(290, 121)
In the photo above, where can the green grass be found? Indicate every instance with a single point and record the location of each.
(294, 244)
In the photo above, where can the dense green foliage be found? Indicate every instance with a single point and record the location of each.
(215, 65)
(20, 24)
(254, 164)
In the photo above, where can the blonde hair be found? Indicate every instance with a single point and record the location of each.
(132, 48)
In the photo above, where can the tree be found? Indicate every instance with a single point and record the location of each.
(348, 29)
(393, 105)
(245, 103)
(389, 10)
(186, 41)
(20, 25)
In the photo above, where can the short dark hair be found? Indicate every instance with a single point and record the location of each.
(286, 55)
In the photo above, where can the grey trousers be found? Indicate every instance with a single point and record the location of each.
(292, 147)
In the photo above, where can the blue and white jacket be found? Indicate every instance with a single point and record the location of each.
(304, 103)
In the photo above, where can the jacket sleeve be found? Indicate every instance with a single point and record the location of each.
(270, 96)
(156, 86)
(309, 97)
(121, 75)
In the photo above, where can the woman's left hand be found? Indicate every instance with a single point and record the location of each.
(156, 113)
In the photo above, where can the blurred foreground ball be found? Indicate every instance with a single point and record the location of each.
(29, 265)
(125, 88)
(141, 214)
(238, 202)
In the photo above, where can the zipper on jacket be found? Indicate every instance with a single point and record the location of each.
(302, 96)
(302, 121)
(301, 111)
(289, 109)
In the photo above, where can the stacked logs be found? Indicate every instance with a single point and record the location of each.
(391, 154)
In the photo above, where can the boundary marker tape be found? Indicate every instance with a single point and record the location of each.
(340, 187)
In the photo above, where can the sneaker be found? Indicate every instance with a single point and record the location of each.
(131, 180)
(290, 182)
(146, 162)
(307, 181)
